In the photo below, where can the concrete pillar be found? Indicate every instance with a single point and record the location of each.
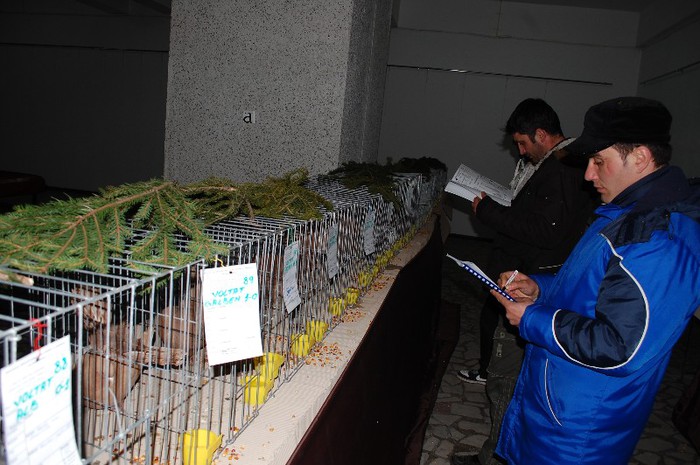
(259, 88)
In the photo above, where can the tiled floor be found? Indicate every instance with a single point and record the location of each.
(460, 421)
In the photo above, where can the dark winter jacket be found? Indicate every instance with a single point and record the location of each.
(601, 331)
(543, 223)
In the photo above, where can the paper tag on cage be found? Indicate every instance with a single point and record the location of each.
(231, 305)
(289, 278)
(368, 232)
(332, 251)
(394, 219)
(37, 410)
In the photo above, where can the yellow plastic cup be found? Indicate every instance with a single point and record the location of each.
(268, 370)
(336, 305)
(256, 389)
(352, 295)
(364, 278)
(269, 364)
(316, 329)
(198, 446)
(271, 358)
(301, 345)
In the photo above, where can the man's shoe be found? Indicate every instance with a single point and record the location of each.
(464, 460)
(471, 376)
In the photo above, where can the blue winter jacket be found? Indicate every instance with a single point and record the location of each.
(601, 331)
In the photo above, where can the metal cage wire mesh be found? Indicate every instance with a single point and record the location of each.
(141, 377)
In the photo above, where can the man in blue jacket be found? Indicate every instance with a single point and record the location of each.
(600, 332)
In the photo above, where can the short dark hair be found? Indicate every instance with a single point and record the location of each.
(660, 152)
(532, 114)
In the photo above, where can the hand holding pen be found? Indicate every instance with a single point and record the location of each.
(519, 285)
(522, 288)
(510, 279)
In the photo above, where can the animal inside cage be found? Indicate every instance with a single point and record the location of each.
(133, 390)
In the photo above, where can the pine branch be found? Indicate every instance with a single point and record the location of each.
(378, 179)
(144, 221)
(286, 196)
(84, 233)
(215, 199)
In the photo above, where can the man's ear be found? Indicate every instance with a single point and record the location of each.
(643, 159)
(540, 135)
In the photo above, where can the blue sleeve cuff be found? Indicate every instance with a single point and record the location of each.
(536, 325)
(543, 282)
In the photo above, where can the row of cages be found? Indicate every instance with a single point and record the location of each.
(140, 371)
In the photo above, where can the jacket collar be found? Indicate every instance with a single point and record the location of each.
(664, 186)
(646, 206)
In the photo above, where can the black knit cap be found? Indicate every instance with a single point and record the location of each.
(633, 120)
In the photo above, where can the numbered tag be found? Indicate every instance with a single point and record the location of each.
(289, 278)
(37, 413)
(231, 313)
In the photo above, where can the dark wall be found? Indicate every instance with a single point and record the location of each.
(83, 90)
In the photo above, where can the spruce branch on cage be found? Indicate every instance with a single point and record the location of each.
(84, 233)
(216, 199)
(378, 179)
(422, 165)
(286, 196)
(163, 216)
(144, 221)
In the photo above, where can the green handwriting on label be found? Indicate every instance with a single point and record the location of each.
(28, 401)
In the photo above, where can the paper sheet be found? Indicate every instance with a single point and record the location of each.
(37, 412)
(231, 313)
(468, 184)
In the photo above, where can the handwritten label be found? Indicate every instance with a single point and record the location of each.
(394, 220)
(231, 304)
(368, 232)
(289, 278)
(37, 415)
(332, 251)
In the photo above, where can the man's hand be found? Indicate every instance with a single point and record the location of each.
(476, 201)
(514, 310)
(522, 286)
(523, 289)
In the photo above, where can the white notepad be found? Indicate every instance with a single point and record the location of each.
(476, 271)
(468, 184)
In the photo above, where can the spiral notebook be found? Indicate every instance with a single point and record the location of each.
(476, 271)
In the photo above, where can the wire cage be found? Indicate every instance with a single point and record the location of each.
(142, 380)
(132, 389)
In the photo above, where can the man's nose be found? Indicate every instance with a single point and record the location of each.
(589, 175)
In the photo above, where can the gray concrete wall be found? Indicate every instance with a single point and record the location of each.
(311, 71)
(456, 73)
(366, 70)
(670, 72)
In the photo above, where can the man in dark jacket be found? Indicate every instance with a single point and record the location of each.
(548, 214)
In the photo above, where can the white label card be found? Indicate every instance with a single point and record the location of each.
(37, 412)
(289, 278)
(392, 224)
(230, 297)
